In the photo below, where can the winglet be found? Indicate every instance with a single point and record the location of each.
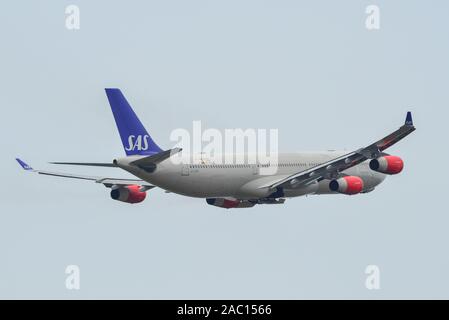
(408, 119)
(24, 165)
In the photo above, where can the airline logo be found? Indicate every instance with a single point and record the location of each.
(137, 143)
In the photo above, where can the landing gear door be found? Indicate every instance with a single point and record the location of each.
(185, 170)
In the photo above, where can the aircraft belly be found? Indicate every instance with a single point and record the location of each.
(199, 184)
(241, 184)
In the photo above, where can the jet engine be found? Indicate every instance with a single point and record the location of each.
(129, 194)
(347, 185)
(387, 164)
(229, 203)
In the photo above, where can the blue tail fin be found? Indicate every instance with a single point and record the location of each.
(135, 137)
(408, 119)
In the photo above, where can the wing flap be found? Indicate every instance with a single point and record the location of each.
(156, 158)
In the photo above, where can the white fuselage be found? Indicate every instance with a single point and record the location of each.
(203, 178)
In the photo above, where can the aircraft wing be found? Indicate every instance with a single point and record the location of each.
(148, 162)
(108, 182)
(331, 169)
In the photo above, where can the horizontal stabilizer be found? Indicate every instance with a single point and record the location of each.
(156, 158)
(92, 164)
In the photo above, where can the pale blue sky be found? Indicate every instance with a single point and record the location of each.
(308, 68)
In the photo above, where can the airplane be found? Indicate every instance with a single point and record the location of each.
(236, 185)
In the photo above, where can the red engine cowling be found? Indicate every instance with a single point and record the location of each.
(347, 185)
(129, 194)
(229, 203)
(387, 164)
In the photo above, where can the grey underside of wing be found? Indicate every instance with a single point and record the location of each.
(108, 182)
(333, 168)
